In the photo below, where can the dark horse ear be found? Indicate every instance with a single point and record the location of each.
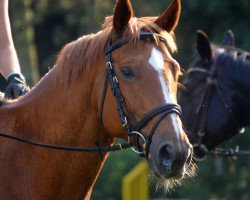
(228, 39)
(122, 15)
(169, 19)
(204, 46)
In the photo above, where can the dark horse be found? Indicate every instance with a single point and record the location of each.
(216, 99)
(118, 83)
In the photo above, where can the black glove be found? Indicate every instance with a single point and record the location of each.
(16, 86)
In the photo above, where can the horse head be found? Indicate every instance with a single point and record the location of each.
(146, 76)
(211, 99)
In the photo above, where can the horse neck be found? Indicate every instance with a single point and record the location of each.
(51, 109)
(239, 73)
(60, 114)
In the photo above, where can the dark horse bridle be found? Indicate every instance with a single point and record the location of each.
(201, 112)
(122, 108)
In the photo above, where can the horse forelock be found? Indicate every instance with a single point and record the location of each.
(82, 53)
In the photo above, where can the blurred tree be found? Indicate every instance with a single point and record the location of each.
(23, 34)
(214, 17)
(89, 15)
(56, 27)
(21, 16)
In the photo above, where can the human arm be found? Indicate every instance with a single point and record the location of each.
(9, 65)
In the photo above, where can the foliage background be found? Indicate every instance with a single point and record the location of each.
(42, 27)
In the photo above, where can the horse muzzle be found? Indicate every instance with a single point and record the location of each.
(169, 163)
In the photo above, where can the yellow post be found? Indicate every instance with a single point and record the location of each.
(135, 183)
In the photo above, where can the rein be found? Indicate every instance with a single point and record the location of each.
(212, 84)
(231, 153)
(111, 77)
(100, 150)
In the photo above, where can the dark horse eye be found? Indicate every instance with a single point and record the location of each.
(127, 73)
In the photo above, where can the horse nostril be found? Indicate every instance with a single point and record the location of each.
(166, 157)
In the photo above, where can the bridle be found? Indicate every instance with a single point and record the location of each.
(212, 84)
(124, 112)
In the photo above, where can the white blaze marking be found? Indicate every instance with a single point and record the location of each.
(157, 62)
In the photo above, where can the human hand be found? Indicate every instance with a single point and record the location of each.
(16, 86)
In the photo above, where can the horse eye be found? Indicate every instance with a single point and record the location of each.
(127, 73)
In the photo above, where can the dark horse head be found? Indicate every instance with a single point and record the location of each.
(216, 98)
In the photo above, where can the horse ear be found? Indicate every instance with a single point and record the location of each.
(228, 39)
(169, 19)
(204, 46)
(122, 15)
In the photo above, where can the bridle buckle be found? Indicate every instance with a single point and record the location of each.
(211, 81)
(125, 122)
(115, 79)
(201, 133)
(135, 149)
(109, 65)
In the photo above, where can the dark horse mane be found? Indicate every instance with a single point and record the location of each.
(236, 62)
(230, 59)
(82, 52)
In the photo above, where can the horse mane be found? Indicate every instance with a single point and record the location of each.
(81, 54)
(235, 61)
(232, 54)
(240, 56)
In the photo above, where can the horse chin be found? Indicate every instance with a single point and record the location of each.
(162, 183)
(168, 181)
(162, 173)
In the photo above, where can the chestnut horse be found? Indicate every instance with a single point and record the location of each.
(76, 104)
(216, 102)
